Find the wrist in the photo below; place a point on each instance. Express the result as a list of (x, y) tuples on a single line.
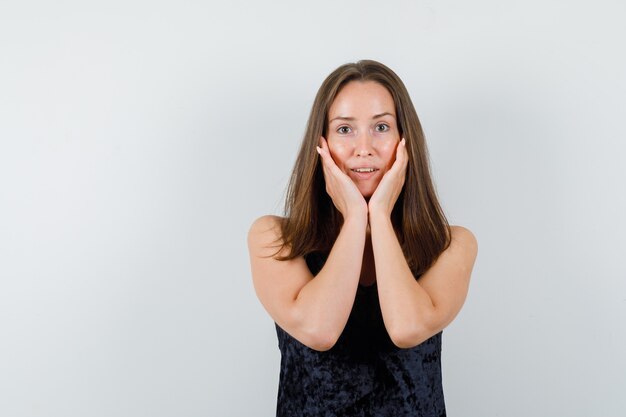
[(357, 218), (379, 219), (378, 215)]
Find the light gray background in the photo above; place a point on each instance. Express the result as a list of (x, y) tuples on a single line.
[(140, 139)]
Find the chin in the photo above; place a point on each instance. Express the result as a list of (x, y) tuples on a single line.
[(367, 194), (367, 190)]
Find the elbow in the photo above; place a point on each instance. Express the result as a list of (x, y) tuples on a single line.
[(409, 337), (323, 346), (313, 334), (408, 341), (322, 341), (317, 338)]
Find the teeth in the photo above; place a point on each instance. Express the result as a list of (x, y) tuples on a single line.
[(364, 170)]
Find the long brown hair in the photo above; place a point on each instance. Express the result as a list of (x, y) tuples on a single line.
[(311, 222)]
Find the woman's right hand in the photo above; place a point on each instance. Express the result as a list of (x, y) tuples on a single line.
[(340, 187)]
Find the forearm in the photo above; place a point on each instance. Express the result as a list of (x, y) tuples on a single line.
[(406, 307), (325, 302)]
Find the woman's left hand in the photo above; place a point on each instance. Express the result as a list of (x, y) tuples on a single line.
[(386, 194)]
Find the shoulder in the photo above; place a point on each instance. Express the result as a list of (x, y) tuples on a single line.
[(463, 240), (264, 223), (264, 231), (463, 233)]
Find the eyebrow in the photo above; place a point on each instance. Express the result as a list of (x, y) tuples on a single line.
[(352, 118)]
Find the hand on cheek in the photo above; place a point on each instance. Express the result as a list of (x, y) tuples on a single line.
[(390, 186), (342, 190)]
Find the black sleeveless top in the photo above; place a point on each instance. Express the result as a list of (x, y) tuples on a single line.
[(364, 374)]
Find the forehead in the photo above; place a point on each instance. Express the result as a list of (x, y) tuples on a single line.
[(362, 98)]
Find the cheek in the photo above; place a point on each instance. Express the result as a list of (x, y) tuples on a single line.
[(338, 147), (390, 154), (339, 154)]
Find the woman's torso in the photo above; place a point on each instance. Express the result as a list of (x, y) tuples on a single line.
[(364, 373)]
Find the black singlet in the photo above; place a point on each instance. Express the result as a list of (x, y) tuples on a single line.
[(364, 374)]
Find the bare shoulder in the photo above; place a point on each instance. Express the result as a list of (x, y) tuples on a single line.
[(264, 223), (447, 280), (463, 233), (264, 231), (464, 240)]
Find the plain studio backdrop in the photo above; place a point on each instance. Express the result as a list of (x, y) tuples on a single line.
[(139, 140)]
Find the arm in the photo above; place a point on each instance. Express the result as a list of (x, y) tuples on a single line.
[(415, 311), (314, 310), (324, 304)]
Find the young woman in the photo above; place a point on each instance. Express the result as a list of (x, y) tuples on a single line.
[(366, 272)]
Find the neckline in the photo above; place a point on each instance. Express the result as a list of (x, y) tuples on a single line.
[(368, 286)]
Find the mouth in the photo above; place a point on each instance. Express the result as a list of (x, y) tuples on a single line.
[(364, 173), (364, 169)]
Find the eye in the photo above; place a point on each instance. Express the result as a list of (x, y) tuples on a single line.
[(385, 125), (343, 131)]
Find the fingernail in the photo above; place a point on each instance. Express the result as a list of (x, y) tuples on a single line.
[(318, 149), (403, 141)]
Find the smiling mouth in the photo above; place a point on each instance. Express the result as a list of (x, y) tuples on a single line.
[(364, 170), (363, 175)]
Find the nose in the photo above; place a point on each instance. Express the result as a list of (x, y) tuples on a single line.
[(364, 144)]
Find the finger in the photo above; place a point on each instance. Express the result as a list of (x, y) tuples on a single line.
[(324, 147), (320, 150), (401, 153), (401, 158), (319, 143), (323, 142), (405, 152), (328, 164), (326, 161), (398, 161), (328, 157)]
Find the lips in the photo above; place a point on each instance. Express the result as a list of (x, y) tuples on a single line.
[(364, 175)]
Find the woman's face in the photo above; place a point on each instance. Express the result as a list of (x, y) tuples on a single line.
[(363, 132)]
